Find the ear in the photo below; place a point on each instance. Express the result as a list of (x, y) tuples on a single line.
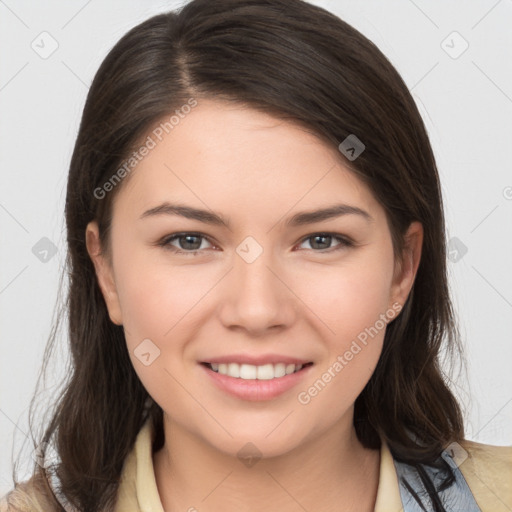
[(104, 272), (405, 271)]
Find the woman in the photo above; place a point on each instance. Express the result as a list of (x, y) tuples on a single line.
[(258, 292)]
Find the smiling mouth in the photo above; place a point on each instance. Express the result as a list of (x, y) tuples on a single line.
[(253, 372)]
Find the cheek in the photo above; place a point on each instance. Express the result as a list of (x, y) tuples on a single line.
[(156, 302), (351, 306), (155, 295), (346, 299), (362, 298), (352, 351)]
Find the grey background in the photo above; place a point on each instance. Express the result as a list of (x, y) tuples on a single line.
[(465, 99)]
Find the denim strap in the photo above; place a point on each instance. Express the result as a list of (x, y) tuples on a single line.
[(415, 497)]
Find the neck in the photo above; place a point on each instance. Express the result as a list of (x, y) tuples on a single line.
[(330, 472)]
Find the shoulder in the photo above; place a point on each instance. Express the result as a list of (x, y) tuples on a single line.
[(487, 470), (28, 496)]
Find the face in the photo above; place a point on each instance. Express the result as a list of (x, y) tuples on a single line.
[(251, 287)]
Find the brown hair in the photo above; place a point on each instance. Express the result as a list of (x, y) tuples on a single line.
[(303, 64)]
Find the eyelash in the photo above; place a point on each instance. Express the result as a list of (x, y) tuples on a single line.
[(165, 242)]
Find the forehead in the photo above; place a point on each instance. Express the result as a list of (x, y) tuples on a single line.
[(231, 156)]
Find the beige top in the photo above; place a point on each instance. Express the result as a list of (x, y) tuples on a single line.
[(487, 470)]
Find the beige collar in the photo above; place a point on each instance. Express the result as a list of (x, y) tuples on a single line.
[(138, 491)]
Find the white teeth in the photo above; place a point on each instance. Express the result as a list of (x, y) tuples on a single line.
[(251, 372), (265, 372), (247, 371), (280, 370), (290, 368), (234, 370)]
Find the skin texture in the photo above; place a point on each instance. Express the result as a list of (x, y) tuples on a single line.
[(297, 298)]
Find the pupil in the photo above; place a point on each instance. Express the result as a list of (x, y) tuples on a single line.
[(188, 238), (325, 237)]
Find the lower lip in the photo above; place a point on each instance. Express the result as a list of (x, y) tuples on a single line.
[(255, 389)]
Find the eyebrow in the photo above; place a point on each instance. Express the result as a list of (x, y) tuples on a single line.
[(299, 219)]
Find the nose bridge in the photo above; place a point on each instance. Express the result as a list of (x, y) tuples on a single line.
[(255, 282), (257, 298)]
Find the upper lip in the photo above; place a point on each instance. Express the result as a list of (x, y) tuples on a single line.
[(256, 360)]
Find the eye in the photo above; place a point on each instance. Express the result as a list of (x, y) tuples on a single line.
[(322, 241), (192, 243), (187, 243)]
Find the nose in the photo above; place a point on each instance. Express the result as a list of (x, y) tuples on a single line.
[(256, 296)]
